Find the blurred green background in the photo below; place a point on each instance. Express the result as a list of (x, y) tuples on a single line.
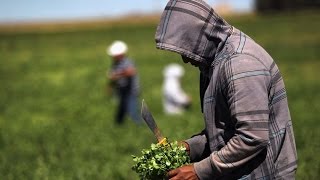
[(56, 121)]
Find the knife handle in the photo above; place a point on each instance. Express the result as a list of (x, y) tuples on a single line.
[(163, 142)]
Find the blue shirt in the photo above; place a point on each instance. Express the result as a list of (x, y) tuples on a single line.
[(130, 83)]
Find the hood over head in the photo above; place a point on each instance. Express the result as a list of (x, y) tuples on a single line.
[(192, 29)]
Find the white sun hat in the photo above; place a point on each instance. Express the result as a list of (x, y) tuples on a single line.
[(173, 70), (117, 48)]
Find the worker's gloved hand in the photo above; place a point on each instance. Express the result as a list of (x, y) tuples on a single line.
[(183, 173)]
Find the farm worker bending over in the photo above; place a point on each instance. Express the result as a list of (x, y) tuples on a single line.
[(175, 100), (248, 130), (124, 81)]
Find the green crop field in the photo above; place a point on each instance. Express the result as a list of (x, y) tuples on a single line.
[(56, 121)]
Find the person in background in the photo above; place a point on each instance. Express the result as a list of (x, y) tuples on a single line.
[(175, 100), (123, 80), (248, 131)]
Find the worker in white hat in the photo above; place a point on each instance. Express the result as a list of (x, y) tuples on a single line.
[(123, 79), (175, 100)]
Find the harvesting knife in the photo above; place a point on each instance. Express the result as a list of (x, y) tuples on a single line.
[(148, 118)]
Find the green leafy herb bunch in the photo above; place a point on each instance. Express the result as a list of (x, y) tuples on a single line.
[(159, 159)]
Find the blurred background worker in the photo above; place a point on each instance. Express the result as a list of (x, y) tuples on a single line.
[(123, 80), (175, 100)]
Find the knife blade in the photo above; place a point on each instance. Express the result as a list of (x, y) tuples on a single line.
[(148, 118)]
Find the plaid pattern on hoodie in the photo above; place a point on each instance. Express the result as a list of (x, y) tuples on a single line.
[(248, 130)]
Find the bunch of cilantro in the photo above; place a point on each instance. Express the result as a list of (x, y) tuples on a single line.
[(160, 159)]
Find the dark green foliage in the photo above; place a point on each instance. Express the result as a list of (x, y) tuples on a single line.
[(285, 5), (160, 159)]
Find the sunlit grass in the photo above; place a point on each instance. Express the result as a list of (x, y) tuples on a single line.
[(57, 122)]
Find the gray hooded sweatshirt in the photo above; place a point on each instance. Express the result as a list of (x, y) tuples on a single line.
[(248, 130)]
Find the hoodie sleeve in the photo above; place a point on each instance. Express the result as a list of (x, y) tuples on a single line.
[(246, 90), (199, 148)]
